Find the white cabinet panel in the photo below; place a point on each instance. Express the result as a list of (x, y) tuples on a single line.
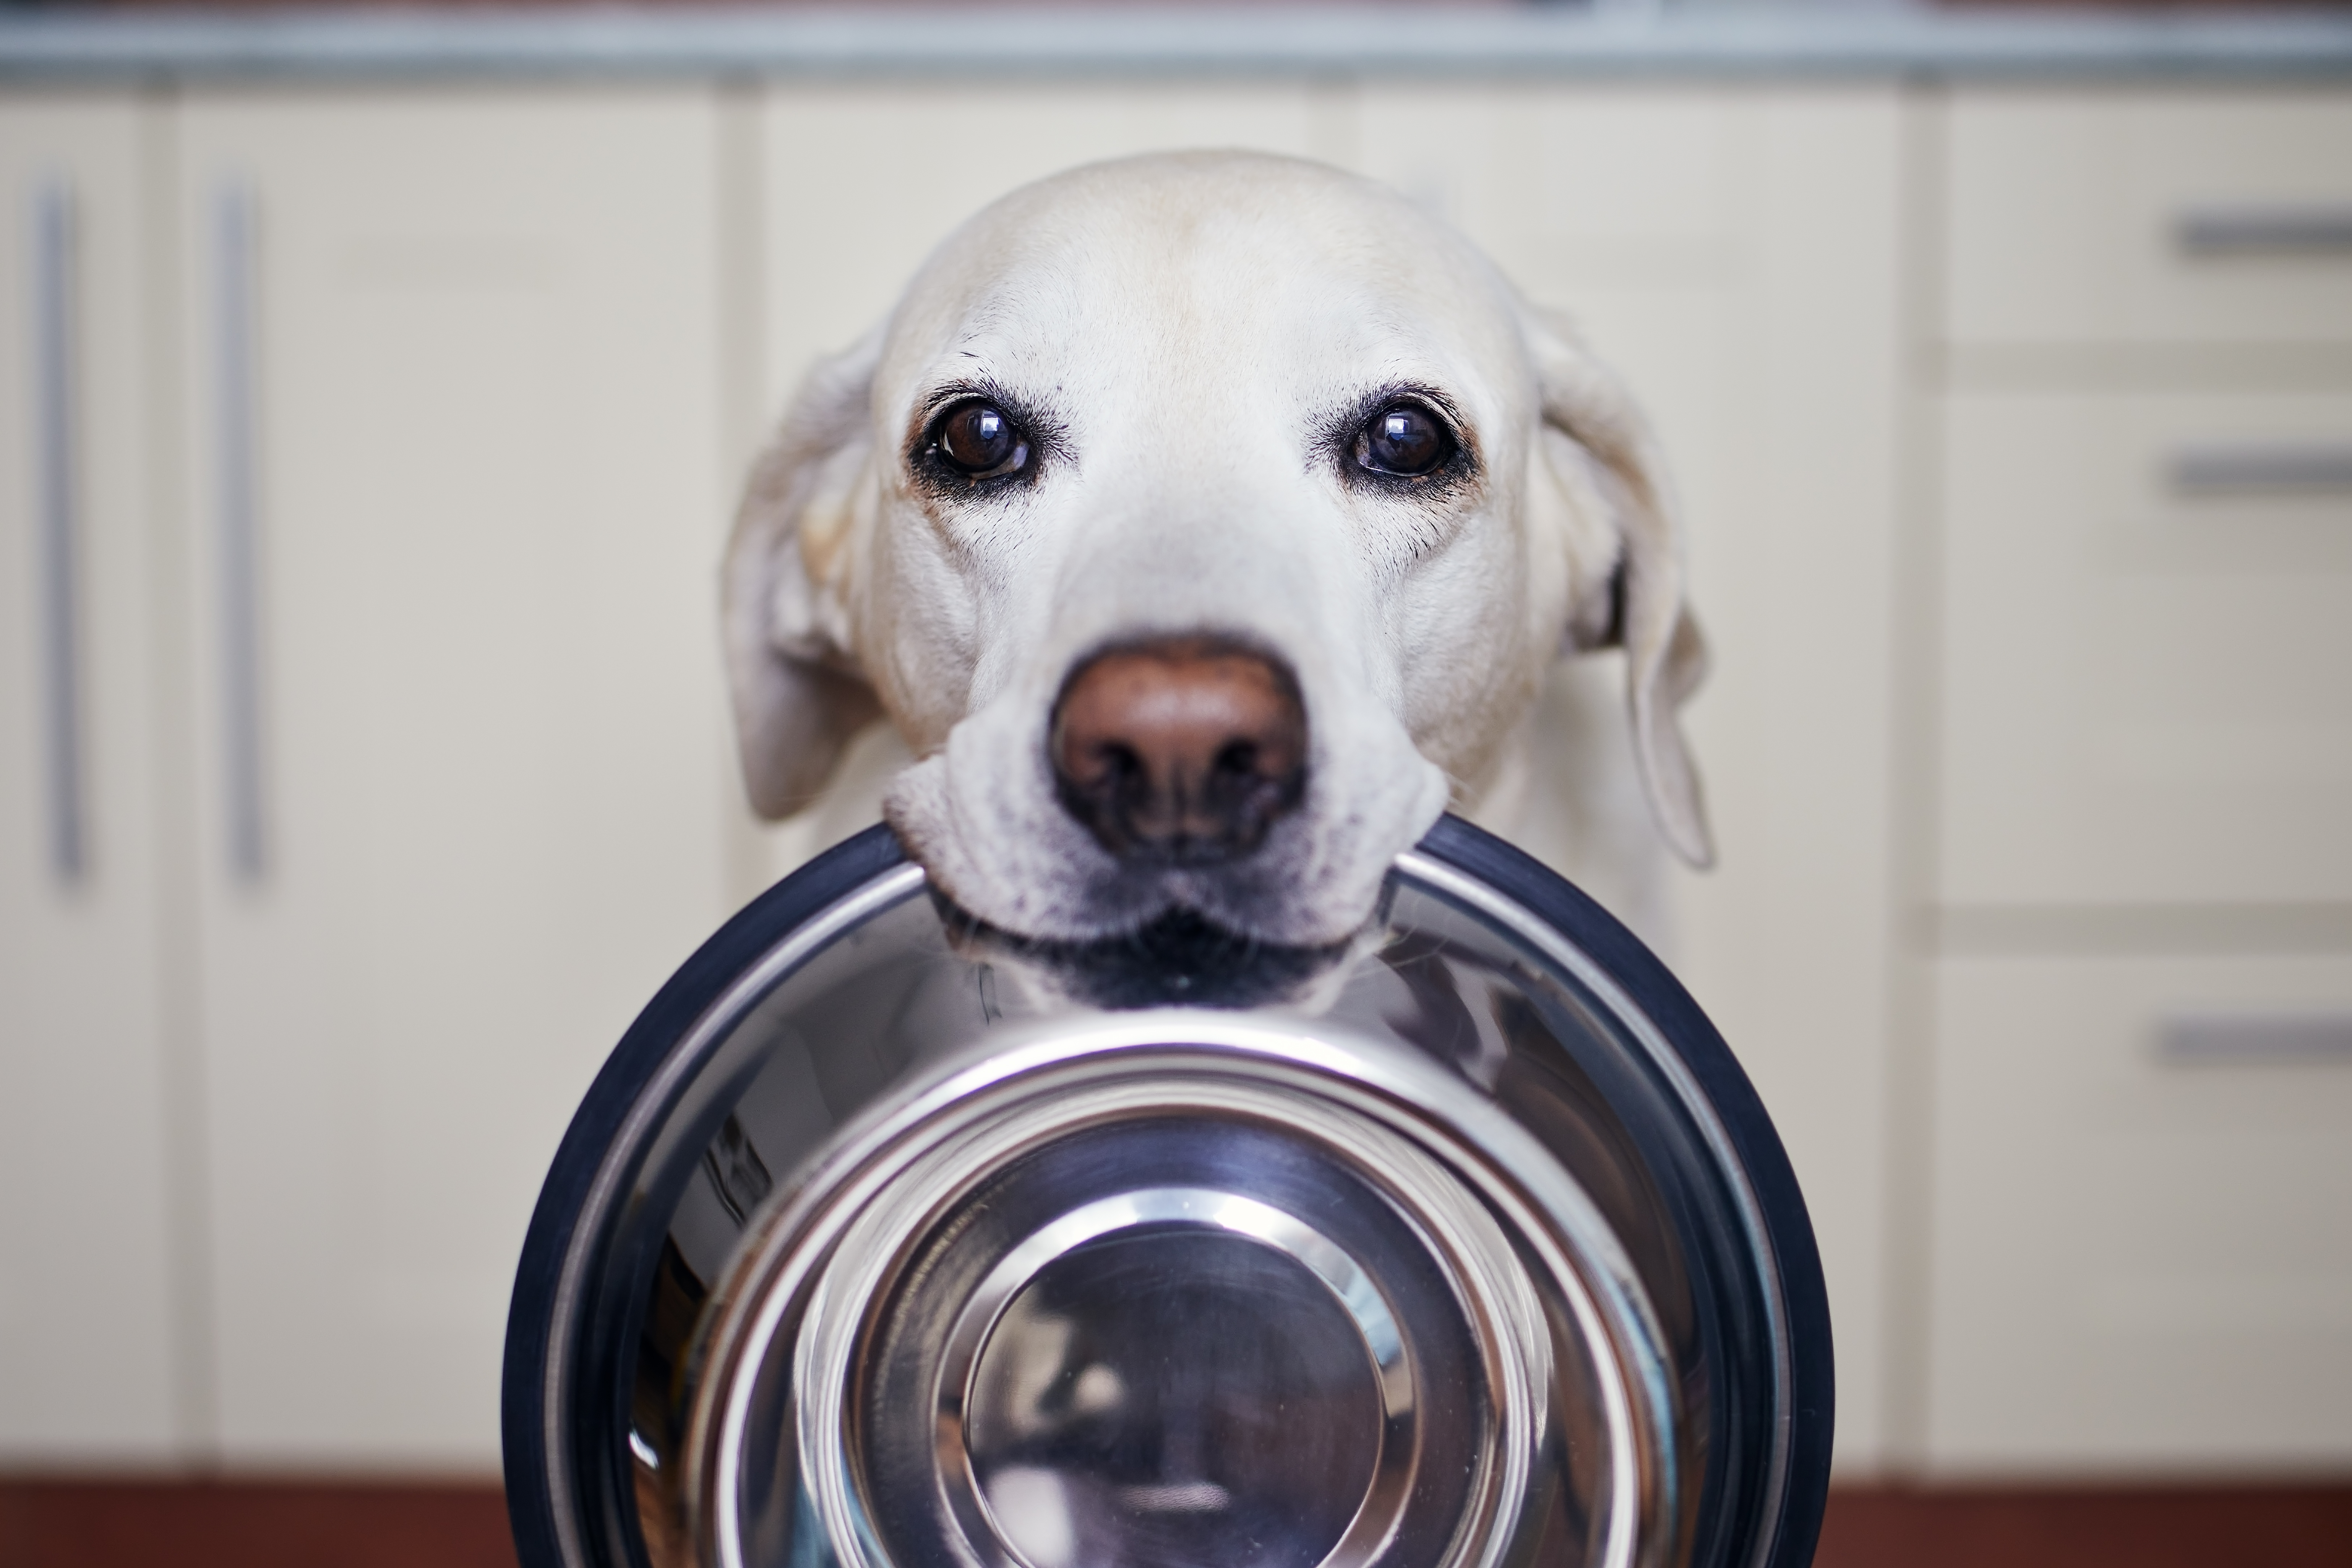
[(2145, 692), (1787, 942), (87, 1287), (2142, 1259), (1593, 185), (2068, 210), (1733, 254), (491, 747)]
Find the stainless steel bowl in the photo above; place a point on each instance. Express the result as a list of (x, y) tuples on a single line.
[(886, 1241)]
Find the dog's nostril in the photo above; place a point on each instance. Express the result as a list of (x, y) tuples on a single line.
[(1119, 764), (1183, 750)]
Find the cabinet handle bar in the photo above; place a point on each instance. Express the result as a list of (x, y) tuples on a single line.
[(2221, 1040), (239, 528), (56, 440), (2256, 230), (2203, 471)]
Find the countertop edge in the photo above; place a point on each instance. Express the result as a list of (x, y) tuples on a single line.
[(1322, 41)]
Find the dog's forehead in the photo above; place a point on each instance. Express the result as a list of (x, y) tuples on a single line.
[(1211, 271)]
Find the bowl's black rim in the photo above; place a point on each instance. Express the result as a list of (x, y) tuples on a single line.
[(1788, 1225), (776, 913), (683, 998)]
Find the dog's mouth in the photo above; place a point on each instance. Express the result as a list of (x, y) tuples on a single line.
[(1182, 958)]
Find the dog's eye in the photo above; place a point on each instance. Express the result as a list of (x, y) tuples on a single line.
[(978, 439), (1404, 439)]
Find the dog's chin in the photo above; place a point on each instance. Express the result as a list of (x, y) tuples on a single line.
[(1016, 863)]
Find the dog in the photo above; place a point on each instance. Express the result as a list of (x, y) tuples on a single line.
[(1205, 524)]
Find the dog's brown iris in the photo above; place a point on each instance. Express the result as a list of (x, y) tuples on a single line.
[(1405, 440), (980, 439)]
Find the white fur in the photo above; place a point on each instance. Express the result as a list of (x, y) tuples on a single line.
[(1191, 326)]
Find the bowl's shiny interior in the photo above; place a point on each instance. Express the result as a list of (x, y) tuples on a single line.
[(914, 1254)]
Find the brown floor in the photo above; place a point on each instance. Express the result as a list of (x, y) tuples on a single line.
[(2187, 1527), (250, 1525)]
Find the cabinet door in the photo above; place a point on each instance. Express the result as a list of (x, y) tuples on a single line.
[(455, 510), (2142, 1260), (2144, 671), (87, 1287)]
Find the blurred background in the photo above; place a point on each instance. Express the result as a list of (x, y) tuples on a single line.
[(374, 388)]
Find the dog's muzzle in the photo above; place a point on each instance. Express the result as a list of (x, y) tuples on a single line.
[(871, 1249)]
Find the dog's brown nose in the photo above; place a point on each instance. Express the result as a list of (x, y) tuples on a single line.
[(1182, 750)]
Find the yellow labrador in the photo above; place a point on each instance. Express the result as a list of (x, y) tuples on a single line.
[(1205, 524)]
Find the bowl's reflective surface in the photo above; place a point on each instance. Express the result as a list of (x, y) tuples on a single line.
[(904, 1250)]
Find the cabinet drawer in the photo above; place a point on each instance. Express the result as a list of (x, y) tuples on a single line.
[(2145, 647), (2141, 1257), (2157, 217)]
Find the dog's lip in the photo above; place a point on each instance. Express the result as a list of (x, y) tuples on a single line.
[(1179, 957)]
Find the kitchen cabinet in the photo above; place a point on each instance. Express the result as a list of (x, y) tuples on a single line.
[(452, 495), (2141, 1258), (2138, 220), (2135, 1259), (94, 1291), (2144, 692)]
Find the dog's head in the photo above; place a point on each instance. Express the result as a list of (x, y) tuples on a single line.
[(1205, 522)]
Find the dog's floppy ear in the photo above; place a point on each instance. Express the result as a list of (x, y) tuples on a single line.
[(800, 698), (1600, 448)]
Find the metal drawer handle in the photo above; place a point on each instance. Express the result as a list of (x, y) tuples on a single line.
[(2217, 1039), (239, 564), (2218, 469), (55, 446), (2264, 230)]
